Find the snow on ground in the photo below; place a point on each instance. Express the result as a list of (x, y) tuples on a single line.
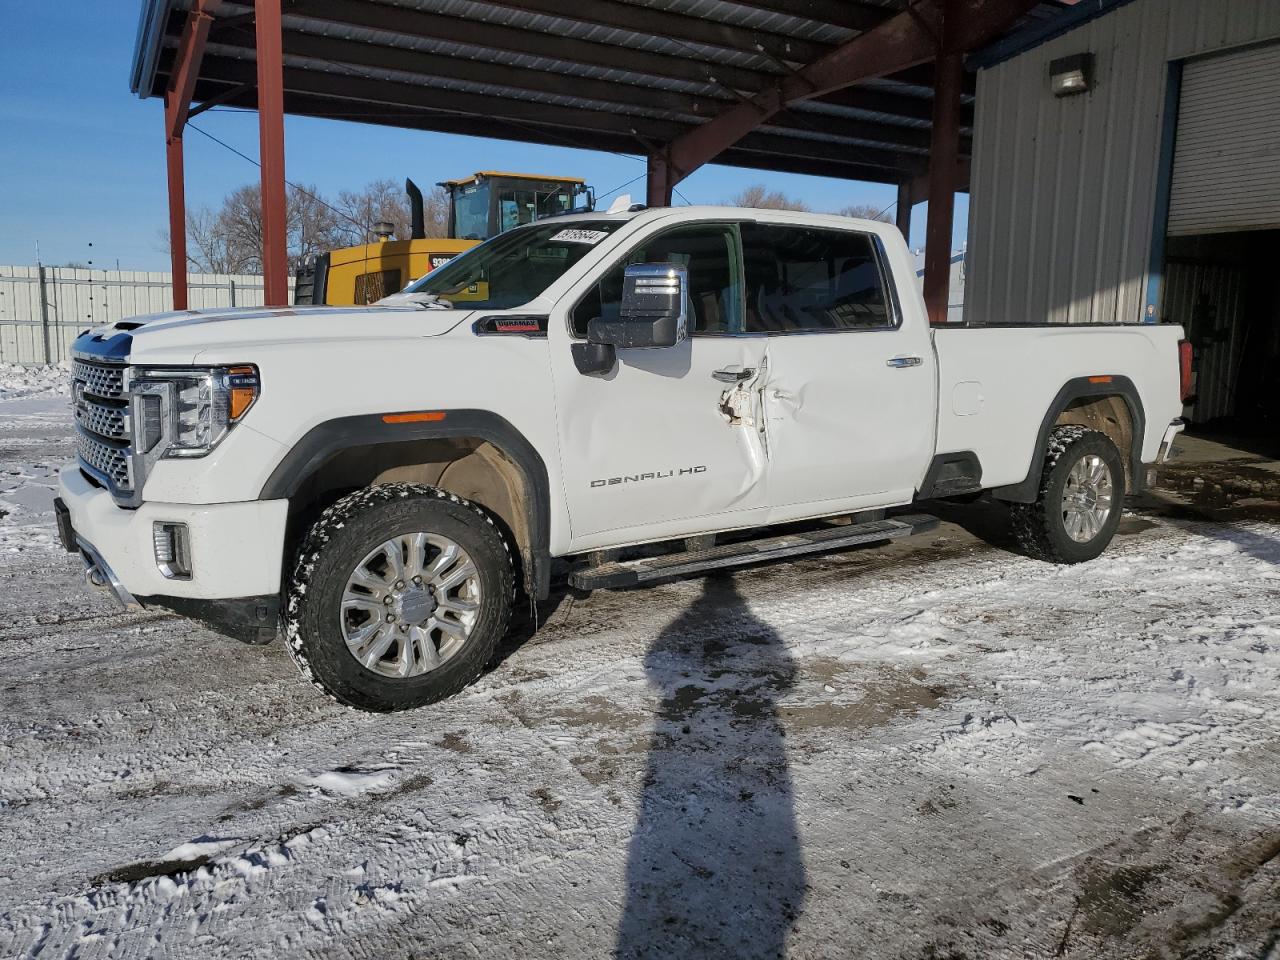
[(17, 381), (947, 751)]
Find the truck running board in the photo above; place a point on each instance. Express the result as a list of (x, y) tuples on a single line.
[(611, 576)]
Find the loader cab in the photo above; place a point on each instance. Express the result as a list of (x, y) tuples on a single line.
[(488, 203)]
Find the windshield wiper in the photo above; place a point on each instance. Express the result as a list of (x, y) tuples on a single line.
[(427, 301)]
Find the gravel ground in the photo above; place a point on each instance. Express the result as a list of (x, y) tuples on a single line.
[(936, 750)]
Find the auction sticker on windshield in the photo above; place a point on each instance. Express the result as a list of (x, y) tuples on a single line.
[(581, 236)]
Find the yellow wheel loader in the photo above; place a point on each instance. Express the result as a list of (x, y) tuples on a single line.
[(480, 206)]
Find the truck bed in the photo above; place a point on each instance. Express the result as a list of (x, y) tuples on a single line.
[(995, 385)]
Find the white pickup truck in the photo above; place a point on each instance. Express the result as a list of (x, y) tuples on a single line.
[(383, 482)]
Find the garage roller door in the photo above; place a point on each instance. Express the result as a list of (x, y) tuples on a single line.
[(1226, 167)]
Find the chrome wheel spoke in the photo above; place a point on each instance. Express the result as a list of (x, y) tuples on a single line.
[(361, 635), (370, 581), (393, 550), (378, 648), (447, 557), (362, 603), (452, 627), (427, 654), (463, 571), (417, 555), (457, 605)]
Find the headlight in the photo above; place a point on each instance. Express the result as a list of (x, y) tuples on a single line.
[(190, 408)]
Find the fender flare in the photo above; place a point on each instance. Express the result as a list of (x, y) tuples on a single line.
[(329, 438), (1081, 388)]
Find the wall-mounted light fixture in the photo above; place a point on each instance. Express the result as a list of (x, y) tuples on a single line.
[(1071, 75)]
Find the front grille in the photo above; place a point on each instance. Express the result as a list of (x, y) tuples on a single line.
[(110, 462), (101, 419), (105, 380), (102, 423)]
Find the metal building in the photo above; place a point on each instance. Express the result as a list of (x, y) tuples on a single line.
[(1126, 168)]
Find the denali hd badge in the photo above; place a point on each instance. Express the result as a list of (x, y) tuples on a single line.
[(658, 475)]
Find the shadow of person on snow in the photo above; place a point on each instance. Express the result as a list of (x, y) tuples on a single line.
[(715, 867)]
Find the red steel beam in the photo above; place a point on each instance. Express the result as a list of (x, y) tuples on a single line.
[(177, 204), (902, 215), (905, 40), (944, 158), (275, 257), (177, 104), (896, 43), (658, 183), (186, 64)]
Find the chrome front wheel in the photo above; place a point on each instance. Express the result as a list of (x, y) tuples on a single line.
[(410, 605)]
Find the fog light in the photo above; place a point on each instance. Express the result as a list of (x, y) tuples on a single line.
[(172, 548)]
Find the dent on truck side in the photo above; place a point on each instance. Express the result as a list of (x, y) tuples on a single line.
[(395, 446)]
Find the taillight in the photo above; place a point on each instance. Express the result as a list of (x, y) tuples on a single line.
[(1184, 371)]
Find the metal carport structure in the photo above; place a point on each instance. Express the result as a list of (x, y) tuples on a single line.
[(871, 90)]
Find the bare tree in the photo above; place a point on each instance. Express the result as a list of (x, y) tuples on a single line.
[(760, 196), (386, 200), (209, 248), (435, 208), (380, 200), (865, 211), (229, 239)]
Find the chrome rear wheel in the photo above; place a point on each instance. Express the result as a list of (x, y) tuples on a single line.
[(1087, 498)]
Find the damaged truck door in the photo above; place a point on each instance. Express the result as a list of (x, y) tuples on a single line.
[(650, 437), (850, 396)]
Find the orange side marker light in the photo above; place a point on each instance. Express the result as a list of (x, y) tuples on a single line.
[(422, 416)]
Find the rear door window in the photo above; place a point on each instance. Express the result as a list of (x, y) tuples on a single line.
[(803, 279)]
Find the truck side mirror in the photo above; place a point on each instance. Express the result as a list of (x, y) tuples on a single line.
[(654, 310)]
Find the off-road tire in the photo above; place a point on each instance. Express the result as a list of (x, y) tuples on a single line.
[(332, 548), (1039, 526)]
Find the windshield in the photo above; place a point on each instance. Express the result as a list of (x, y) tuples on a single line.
[(513, 268)]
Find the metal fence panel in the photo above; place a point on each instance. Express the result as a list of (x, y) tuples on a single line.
[(43, 309)]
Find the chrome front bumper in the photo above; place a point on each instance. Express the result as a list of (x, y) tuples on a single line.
[(97, 572), (99, 575)]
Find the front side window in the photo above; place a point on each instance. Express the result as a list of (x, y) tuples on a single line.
[(804, 279), (707, 251), (514, 268)]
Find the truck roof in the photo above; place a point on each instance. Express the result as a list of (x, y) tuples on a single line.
[(514, 176), (715, 211)]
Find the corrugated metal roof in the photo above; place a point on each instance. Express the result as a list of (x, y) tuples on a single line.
[(514, 64), (751, 17), (522, 61), (565, 27)]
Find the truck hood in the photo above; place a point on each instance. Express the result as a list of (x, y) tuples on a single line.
[(179, 336)]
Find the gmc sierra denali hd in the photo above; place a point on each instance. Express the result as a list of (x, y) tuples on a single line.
[(380, 483)]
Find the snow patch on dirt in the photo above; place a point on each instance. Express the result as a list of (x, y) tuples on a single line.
[(972, 755), (18, 381)]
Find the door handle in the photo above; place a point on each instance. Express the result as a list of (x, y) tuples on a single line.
[(902, 362), (733, 376)]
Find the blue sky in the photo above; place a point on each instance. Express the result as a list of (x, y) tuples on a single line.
[(82, 159)]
